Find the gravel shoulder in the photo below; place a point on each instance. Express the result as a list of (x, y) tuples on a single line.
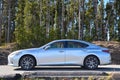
[(7, 70), (56, 71)]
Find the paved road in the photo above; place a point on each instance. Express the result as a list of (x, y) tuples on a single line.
[(7, 70)]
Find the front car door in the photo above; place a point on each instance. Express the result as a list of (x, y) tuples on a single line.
[(54, 55)]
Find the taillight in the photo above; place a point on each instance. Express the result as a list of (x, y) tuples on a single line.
[(106, 51)]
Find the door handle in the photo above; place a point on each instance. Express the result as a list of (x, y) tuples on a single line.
[(61, 51)]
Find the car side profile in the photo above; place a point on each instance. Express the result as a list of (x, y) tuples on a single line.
[(61, 52)]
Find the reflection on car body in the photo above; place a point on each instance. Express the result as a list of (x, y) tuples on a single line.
[(61, 52)]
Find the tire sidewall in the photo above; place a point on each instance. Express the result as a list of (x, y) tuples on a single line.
[(22, 61), (89, 67)]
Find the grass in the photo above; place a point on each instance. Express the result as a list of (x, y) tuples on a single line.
[(71, 78), (66, 78), (108, 77)]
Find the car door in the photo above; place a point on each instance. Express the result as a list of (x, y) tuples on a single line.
[(75, 53), (54, 55)]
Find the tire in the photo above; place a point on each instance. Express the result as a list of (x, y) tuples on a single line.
[(91, 62), (27, 62), (83, 67)]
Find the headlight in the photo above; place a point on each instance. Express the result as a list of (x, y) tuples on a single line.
[(15, 53)]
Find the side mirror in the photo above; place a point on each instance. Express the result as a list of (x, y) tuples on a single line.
[(46, 47)]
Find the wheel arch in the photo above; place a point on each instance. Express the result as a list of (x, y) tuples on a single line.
[(28, 55), (91, 55)]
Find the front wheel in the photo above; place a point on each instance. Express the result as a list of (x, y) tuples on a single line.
[(27, 62), (91, 62)]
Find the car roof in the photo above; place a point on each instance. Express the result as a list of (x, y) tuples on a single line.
[(85, 42), (72, 40), (67, 40)]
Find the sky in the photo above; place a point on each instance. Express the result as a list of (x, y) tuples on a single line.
[(106, 1)]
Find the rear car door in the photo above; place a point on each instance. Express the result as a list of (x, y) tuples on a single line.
[(75, 52)]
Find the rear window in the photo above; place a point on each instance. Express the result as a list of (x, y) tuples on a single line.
[(72, 44)]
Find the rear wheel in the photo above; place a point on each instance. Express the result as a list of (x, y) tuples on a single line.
[(91, 62), (27, 62)]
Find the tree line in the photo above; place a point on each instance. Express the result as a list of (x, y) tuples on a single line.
[(32, 23)]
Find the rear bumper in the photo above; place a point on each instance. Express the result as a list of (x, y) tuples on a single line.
[(105, 60)]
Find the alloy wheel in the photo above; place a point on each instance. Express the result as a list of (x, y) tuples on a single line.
[(27, 62), (91, 62)]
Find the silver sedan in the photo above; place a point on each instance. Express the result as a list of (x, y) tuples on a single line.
[(61, 52)]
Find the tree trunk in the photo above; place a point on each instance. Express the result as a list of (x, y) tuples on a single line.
[(40, 6), (0, 26), (82, 17), (119, 29), (79, 21), (59, 17), (62, 22), (1, 8), (96, 20), (102, 27), (9, 21), (48, 19)]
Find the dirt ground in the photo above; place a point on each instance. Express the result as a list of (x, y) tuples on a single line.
[(113, 46)]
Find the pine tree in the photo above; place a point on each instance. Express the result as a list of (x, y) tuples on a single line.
[(95, 5), (1, 12), (101, 26), (89, 21), (20, 30), (109, 21), (117, 18)]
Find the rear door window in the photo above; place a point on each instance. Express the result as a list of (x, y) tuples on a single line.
[(72, 44)]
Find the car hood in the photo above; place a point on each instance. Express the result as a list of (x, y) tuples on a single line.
[(31, 50)]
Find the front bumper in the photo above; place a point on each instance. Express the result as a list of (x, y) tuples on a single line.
[(13, 60)]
